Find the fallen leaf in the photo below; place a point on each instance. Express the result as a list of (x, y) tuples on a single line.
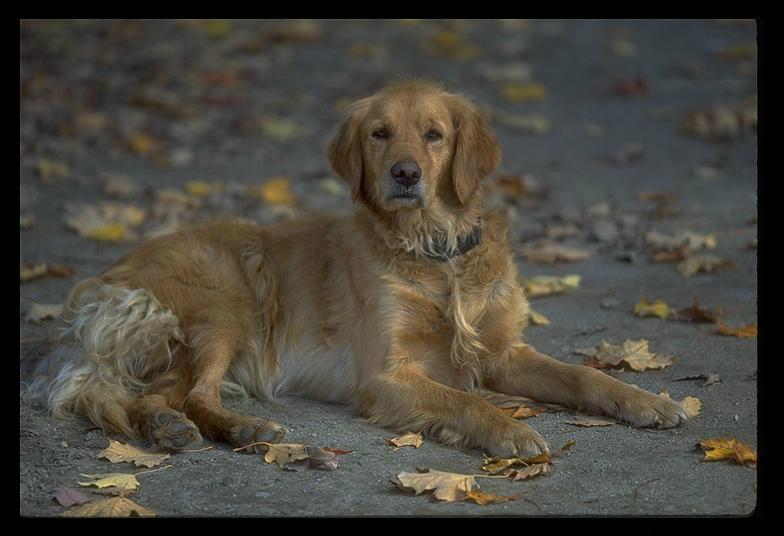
[(69, 497), (511, 72), (517, 186), (296, 32), (410, 439), (216, 28), (675, 255), (655, 308), (662, 201), (696, 314), (587, 421), (522, 92), (722, 122), (691, 241), (51, 170), (118, 452), (738, 52), (333, 186), (627, 154), (43, 311), (284, 453), (203, 188), (690, 404), (524, 412), (748, 331), (105, 480), (112, 507), (447, 487), (544, 285), (496, 466), (31, 271), (706, 172), (144, 145), (534, 123), (727, 449), (26, 222), (106, 221), (623, 47), (275, 191), (482, 498), (322, 459), (631, 354), (538, 319), (279, 129), (547, 252), (537, 469), (710, 379), (635, 86), (452, 44), (702, 263)]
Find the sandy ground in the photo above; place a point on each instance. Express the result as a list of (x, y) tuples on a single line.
[(212, 85)]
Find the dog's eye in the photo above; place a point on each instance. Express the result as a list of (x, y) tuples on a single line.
[(433, 135), (380, 134)]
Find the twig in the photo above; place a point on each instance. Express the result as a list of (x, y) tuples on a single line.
[(153, 470), (252, 445), (198, 450)]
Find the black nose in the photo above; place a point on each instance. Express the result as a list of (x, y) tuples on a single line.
[(406, 173)]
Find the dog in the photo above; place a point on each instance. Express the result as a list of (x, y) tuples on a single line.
[(402, 310)]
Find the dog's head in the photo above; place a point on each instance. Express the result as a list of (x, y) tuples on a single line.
[(411, 146)]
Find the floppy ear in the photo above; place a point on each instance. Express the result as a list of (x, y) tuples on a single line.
[(477, 151), (345, 149)]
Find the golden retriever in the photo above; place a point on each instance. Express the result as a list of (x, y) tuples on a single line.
[(401, 310)]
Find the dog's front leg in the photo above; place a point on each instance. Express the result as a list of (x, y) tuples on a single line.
[(523, 371), (405, 399)]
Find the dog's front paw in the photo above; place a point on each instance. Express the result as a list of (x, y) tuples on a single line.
[(516, 440), (255, 431), (172, 430), (647, 410)]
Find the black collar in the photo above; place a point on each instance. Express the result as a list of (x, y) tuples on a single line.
[(465, 243)]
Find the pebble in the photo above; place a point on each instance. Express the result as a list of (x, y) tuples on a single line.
[(610, 303)]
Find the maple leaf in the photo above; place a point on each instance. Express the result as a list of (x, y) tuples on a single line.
[(447, 487), (43, 311), (112, 507), (655, 308), (551, 252), (69, 497), (727, 449), (497, 465), (408, 440), (123, 481), (118, 452), (745, 332), (544, 285), (633, 354)]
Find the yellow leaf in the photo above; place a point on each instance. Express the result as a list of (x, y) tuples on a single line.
[(203, 188), (656, 308), (44, 311), (275, 191), (728, 449), (217, 28), (548, 252), (279, 129), (283, 453), (107, 222), (586, 421), (447, 487), (524, 412), (51, 170), (113, 507), (538, 319), (30, 272), (521, 92), (633, 354), (482, 498), (702, 263), (496, 466), (745, 332), (106, 480), (452, 44), (544, 285), (142, 144), (118, 452), (408, 440), (112, 232)]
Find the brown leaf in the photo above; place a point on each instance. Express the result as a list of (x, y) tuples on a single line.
[(691, 241), (482, 498), (284, 453), (702, 263), (631, 354), (538, 319), (43, 311), (696, 314), (408, 440), (589, 421), (113, 507), (748, 331), (710, 379), (524, 412), (447, 487), (30, 271), (635, 86), (690, 404), (118, 452), (69, 497), (517, 186), (550, 252), (537, 469), (106, 221), (675, 255), (727, 449), (544, 285), (322, 459)]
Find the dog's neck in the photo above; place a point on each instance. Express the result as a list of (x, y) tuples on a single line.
[(437, 233)]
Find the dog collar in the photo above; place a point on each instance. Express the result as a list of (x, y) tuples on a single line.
[(465, 243)]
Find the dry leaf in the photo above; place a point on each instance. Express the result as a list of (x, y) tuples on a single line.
[(105, 480), (521, 92), (656, 308), (26, 222), (517, 186), (745, 332), (118, 452), (106, 222), (496, 466), (69, 497), (524, 412), (538, 319), (635, 86), (626, 155), (687, 239), (296, 32), (447, 487), (632, 354), (690, 404), (275, 191), (696, 314), (322, 459), (588, 421), (408, 440), (43, 311), (710, 379), (203, 188), (452, 44), (283, 453), (702, 263), (279, 129), (544, 285), (481, 498), (551, 252), (51, 170), (30, 271), (537, 469), (727, 449), (535, 123), (112, 507), (120, 185)]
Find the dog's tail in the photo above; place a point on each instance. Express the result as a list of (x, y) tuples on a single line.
[(118, 341)]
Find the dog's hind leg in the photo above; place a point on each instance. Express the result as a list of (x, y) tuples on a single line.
[(154, 419), (212, 351)]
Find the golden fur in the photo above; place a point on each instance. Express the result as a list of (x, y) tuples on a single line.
[(350, 310)]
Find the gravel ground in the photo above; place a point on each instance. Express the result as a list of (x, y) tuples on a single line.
[(241, 102)]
